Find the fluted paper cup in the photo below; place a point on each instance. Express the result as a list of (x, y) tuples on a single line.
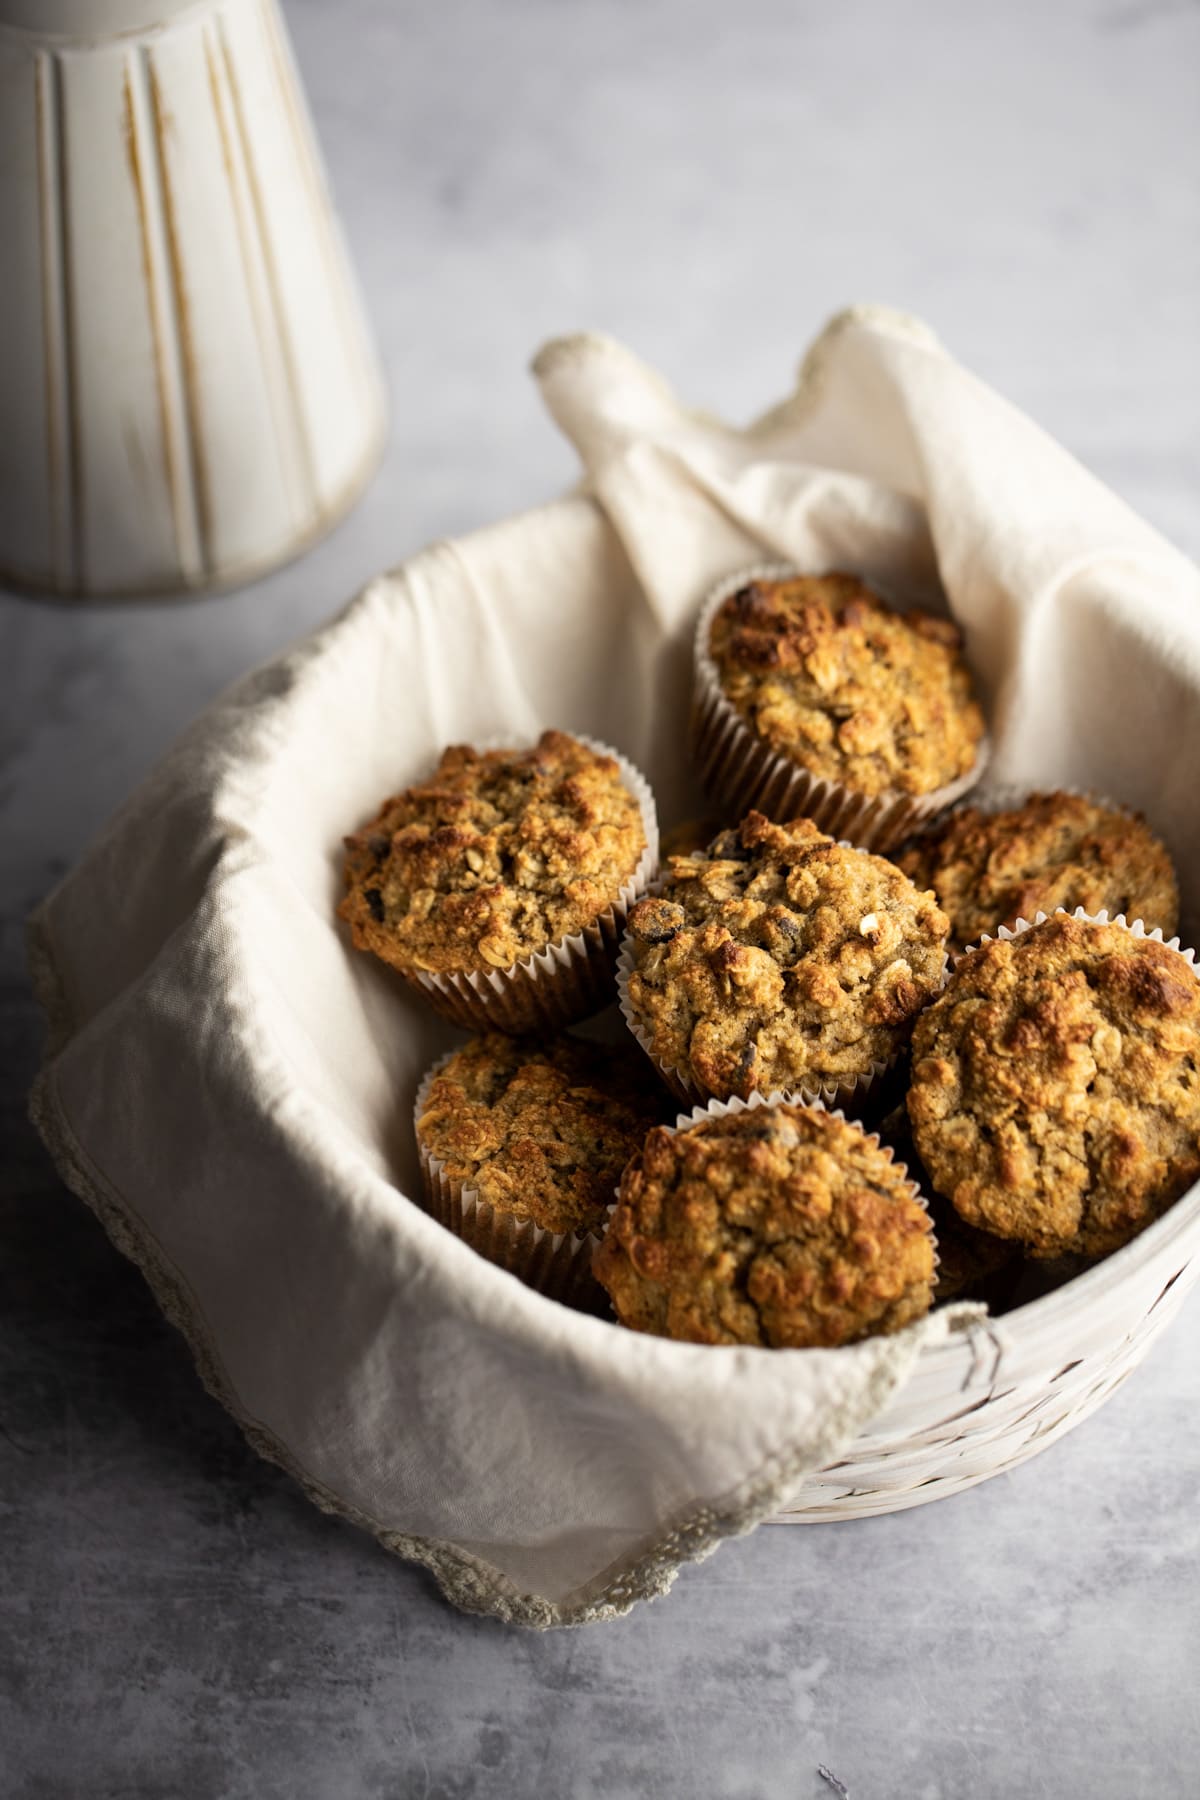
[(1135, 928)]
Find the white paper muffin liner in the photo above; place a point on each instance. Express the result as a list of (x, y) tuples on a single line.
[(558, 1264), (1135, 928), (567, 980), (744, 773), (719, 1109)]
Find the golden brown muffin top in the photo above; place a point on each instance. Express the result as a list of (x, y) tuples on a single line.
[(777, 959), (541, 1131), (497, 855), (826, 673), (992, 868), (780, 1225), (1056, 1085)]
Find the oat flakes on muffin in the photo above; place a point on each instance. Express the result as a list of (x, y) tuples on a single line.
[(539, 1130), (780, 1225), (1055, 1093), (823, 671), (778, 959), (496, 856), (1054, 850)]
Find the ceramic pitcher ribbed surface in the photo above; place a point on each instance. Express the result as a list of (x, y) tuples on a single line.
[(188, 392)]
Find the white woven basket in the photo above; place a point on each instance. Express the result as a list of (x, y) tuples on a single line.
[(280, 1122)]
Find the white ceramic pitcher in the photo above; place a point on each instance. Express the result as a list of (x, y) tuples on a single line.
[(188, 392)]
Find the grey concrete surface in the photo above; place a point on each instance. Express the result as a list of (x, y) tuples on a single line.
[(708, 182)]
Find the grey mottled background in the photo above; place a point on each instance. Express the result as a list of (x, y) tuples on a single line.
[(708, 181)]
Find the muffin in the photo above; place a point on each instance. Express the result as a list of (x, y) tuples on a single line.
[(777, 1224), (522, 1145), (779, 960), (498, 886), (1055, 1093), (815, 696), (1054, 850)]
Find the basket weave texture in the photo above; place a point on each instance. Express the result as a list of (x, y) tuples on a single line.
[(1053, 1364)]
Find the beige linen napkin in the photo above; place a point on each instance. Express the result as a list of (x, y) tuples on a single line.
[(230, 1088)]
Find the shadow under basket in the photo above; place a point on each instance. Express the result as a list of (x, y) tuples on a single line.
[(985, 1401)]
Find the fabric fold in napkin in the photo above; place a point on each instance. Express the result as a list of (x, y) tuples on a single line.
[(230, 1087)]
